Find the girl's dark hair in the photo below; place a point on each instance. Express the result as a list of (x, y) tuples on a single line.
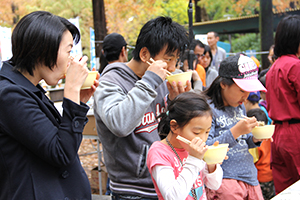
[(36, 39), (214, 92), (183, 108), (207, 49), (158, 33), (287, 37)]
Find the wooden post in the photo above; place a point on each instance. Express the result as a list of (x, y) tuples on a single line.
[(197, 11), (265, 29), (99, 26)]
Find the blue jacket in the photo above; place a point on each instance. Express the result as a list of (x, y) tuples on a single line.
[(38, 146)]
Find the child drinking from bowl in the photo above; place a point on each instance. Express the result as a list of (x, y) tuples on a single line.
[(237, 78), (264, 171), (176, 168)]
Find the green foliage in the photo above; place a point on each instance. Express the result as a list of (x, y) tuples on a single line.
[(177, 10), (220, 9), (69, 9), (245, 42), (217, 9)]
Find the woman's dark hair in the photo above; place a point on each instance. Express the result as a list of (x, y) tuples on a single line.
[(158, 33), (207, 49), (287, 37), (214, 92), (183, 108), (259, 114), (36, 39)]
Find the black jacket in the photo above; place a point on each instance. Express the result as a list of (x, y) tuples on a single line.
[(38, 147)]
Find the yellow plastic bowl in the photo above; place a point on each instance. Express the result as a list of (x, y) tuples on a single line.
[(89, 81), (183, 77), (215, 154), (263, 132)]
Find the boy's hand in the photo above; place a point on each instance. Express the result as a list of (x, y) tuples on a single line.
[(159, 67), (176, 89)]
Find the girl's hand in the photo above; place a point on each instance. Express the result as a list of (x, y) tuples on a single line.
[(197, 148), (244, 126), (260, 140), (86, 94)]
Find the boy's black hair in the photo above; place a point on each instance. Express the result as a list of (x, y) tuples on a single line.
[(259, 114), (36, 39), (158, 33), (214, 91), (183, 108), (287, 37)]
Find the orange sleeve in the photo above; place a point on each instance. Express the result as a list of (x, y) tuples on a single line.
[(202, 74)]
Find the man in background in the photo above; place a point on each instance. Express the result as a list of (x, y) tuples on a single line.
[(198, 48), (114, 50), (218, 53)]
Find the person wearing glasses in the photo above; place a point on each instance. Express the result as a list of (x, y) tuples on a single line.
[(198, 48)]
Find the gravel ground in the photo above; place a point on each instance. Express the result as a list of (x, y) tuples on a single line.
[(88, 156)]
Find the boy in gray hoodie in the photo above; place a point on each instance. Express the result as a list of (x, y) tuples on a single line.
[(129, 98)]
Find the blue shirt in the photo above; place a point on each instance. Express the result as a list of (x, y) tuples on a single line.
[(240, 164)]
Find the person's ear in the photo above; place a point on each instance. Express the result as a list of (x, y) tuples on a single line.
[(144, 54), (124, 54), (223, 86), (123, 51), (173, 126), (298, 53)]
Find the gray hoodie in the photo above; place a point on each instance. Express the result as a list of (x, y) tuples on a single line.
[(125, 109)]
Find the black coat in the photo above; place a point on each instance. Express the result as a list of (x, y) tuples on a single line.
[(38, 147)]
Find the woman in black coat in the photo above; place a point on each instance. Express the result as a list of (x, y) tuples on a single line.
[(38, 146)]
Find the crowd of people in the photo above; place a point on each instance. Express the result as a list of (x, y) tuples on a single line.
[(139, 115)]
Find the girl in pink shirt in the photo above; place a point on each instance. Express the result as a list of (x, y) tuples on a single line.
[(177, 169)]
